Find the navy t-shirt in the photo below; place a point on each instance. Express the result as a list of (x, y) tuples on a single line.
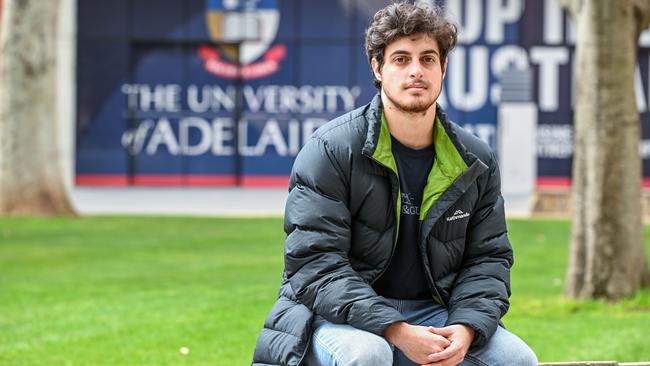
[(404, 278)]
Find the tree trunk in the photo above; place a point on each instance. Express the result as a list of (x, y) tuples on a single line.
[(33, 151), (607, 256)]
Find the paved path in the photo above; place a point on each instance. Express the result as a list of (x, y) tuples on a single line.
[(228, 201), (180, 201)]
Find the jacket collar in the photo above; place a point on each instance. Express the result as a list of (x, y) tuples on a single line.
[(454, 168), (373, 115)]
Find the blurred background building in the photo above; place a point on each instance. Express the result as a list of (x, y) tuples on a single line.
[(161, 101)]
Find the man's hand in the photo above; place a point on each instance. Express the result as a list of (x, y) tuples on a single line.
[(416, 342), (460, 336)]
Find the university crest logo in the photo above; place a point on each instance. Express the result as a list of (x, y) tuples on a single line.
[(244, 29)]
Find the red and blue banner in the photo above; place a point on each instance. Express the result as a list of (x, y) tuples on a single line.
[(159, 83)]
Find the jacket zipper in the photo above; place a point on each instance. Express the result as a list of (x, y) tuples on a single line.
[(432, 283)]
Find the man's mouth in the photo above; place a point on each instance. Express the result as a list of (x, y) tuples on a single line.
[(416, 86)]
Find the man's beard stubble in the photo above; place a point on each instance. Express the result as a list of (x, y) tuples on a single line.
[(421, 105)]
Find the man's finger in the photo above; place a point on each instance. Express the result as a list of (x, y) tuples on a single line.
[(444, 331), (445, 342), (443, 355)]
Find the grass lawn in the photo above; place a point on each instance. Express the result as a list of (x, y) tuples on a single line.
[(133, 291)]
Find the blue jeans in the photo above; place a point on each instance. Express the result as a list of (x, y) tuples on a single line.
[(343, 345)]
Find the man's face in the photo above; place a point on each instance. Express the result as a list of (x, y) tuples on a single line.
[(411, 76)]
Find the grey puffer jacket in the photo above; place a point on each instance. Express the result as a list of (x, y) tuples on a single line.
[(341, 220)]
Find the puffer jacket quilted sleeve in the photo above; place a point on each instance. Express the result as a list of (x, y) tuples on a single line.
[(481, 291), (318, 227)]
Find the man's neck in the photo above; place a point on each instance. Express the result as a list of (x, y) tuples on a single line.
[(414, 130)]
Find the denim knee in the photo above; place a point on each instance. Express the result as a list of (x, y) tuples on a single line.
[(503, 349), (524, 356), (344, 345), (377, 353), (520, 354)]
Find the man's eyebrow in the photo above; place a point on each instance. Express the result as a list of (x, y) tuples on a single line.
[(403, 52), (400, 52), (430, 51)]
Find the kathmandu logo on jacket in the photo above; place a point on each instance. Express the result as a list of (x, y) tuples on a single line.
[(459, 214)]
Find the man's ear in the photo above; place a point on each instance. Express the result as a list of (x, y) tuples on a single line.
[(375, 68)]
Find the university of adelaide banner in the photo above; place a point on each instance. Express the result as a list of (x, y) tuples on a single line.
[(226, 92)]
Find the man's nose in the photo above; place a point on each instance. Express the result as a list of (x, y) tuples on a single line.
[(415, 70)]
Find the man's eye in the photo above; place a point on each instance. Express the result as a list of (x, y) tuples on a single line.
[(400, 60), (429, 59)]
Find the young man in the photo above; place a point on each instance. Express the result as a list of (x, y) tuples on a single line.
[(396, 249)]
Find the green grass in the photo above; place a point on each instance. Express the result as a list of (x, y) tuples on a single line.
[(558, 329), (133, 291)]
